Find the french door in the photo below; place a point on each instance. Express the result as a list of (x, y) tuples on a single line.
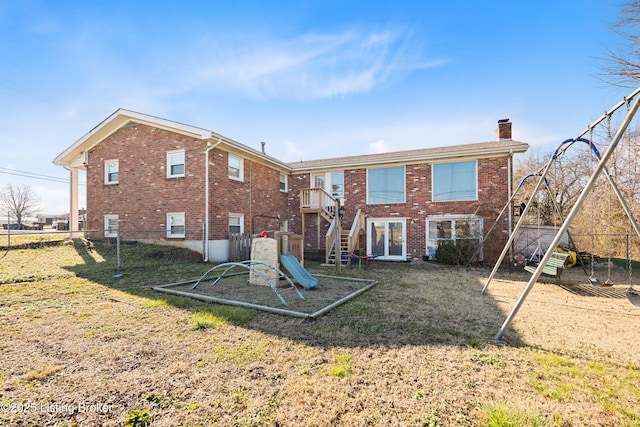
[(387, 238)]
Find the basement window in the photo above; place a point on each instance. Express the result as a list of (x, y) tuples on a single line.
[(236, 223), (176, 225), (111, 226), (462, 230)]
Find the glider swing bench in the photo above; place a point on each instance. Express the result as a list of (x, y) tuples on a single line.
[(554, 266)]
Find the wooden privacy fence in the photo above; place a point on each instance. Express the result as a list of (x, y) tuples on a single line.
[(240, 246), (288, 242)]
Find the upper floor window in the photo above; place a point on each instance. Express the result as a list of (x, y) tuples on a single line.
[(110, 225), (284, 182), (235, 167), (386, 185), (175, 164), (337, 184), (455, 181), (175, 225), (111, 168)]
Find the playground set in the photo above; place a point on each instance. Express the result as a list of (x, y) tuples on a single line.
[(554, 260), (276, 264)]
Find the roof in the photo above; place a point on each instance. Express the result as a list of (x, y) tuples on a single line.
[(448, 153), (74, 154)]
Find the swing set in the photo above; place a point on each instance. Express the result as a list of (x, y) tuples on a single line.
[(632, 294)]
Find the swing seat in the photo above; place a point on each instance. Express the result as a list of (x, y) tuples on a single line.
[(634, 297), (554, 266)]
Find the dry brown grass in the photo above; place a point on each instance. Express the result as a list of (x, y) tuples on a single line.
[(79, 347)]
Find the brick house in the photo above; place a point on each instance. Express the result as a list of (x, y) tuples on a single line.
[(177, 184)]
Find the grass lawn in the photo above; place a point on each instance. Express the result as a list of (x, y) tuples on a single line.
[(81, 347)]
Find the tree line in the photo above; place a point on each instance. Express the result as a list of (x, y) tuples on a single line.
[(602, 213)]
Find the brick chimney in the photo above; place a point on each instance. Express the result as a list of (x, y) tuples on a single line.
[(503, 132)]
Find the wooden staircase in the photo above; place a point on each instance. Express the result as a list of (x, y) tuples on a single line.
[(343, 248), (349, 239), (316, 200)]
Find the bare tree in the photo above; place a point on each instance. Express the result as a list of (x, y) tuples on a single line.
[(19, 201), (624, 62), (565, 178)]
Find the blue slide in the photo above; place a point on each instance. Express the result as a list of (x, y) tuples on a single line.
[(298, 272)]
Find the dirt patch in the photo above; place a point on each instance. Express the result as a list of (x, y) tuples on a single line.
[(283, 296), (417, 349)]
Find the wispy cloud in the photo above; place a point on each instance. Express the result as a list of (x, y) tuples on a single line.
[(313, 66), (380, 146)]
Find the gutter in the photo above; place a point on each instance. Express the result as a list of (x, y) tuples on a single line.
[(210, 147), (438, 155)]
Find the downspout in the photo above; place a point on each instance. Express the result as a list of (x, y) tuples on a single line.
[(251, 194), (210, 147)]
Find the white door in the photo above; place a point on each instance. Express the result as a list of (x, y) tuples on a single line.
[(317, 181), (331, 182), (386, 238)]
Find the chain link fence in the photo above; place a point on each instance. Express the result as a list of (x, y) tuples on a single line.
[(31, 255), (124, 250)]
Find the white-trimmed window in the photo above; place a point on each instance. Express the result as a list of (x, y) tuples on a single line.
[(111, 169), (110, 225), (236, 223), (175, 225), (284, 182), (459, 229), (337, 185), (386, 185), (454, 182), (236, 166), (175, 164)]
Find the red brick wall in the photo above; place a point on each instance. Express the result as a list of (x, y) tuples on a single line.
[(258, 197), (492, 196), (144, 195)]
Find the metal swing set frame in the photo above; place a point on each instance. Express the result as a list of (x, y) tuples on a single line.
[(632, 294)]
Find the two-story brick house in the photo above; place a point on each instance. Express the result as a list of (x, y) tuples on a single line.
[(177, 184)]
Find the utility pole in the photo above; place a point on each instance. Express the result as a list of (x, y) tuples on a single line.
[(338, 233)]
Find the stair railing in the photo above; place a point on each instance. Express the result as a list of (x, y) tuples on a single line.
[(358, 226), (331, 241)]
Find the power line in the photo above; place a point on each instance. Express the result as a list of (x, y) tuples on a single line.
[(34, 175)]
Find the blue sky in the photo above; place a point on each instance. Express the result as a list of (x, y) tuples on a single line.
[(312, 79)]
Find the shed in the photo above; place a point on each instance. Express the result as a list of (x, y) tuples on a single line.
[(533, 239)]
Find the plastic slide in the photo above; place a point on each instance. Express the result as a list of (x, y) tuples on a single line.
[(298, 272)]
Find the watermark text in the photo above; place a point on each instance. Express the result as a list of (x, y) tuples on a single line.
[(55, 407)]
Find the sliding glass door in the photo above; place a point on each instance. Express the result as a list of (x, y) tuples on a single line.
[(387, 238)]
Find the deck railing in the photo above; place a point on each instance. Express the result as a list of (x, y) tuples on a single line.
[(317, 200)]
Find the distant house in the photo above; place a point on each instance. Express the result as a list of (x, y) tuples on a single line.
[(51, 219), (194, 185), (54, 220)]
